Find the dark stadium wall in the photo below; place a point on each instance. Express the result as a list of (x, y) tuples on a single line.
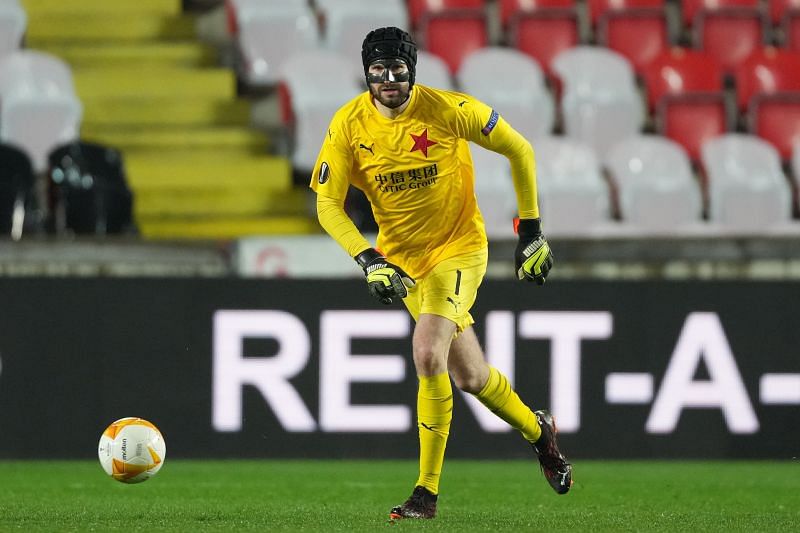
[(279, 368)]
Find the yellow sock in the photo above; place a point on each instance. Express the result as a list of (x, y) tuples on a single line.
[(434, 413), (501, 399)]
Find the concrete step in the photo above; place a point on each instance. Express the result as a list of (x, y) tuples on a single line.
[(214, 139), (227, 228), (171, 174), (166, 112), (152, 203), (114, 26), (151, 82), (163, 7), (135, 54)]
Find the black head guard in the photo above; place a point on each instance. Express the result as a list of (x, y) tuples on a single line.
[(390, 43)]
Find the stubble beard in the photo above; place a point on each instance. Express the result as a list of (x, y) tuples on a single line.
[(391, 101)]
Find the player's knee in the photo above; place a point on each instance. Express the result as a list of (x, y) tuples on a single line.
[(470, 382), (428, 360)]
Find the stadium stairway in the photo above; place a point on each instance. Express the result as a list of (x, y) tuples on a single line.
[(152, 90)]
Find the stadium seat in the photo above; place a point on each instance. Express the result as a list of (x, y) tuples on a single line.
[(418, 10), (270, 32), (686, 93), (747, 189), (39, 106), (452, 35), (494, 190), (525, 102), (347, 22), (768, 89), (600, 103), (776, 118), (780, 8), (573, 196), (790, 28), (678, 71), (692, 119), (692, 8), (767, 71), (541, 29), (715, 26), (433, 71), (88, 192), (600, 8), (638, 33), (13, 21), (656, 186), (309, 108), (16, 190)]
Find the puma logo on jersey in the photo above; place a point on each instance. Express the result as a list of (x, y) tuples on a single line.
[(455, 303), (461, 103), (367, 148)]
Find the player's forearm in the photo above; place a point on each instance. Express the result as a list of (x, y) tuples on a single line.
[(523, 173), (338, 225)]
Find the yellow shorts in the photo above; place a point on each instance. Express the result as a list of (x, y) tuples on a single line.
[(450, 289)]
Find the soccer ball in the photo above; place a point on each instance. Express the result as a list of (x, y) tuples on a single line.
[(132, 450)]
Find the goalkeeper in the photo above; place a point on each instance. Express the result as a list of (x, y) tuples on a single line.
[(406, 147)]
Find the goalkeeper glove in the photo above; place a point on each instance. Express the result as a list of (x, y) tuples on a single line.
[(386, 281), (532, 258)]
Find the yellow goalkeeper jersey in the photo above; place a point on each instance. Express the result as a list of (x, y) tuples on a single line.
[(416, 170)]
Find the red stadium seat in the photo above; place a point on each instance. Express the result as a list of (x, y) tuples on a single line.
[(768, 88), (544, 33), (691, 8), (452, 35), (730, 34), (418, 10), (598, 8), (511, 9), (779, 8), (691, 119), (767, 71), (679, 71), (640, 34), (791, 29), (685, 89), (776, 118)]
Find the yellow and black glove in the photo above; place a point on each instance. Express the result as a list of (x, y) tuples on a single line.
[(385, 280), (532, 258)]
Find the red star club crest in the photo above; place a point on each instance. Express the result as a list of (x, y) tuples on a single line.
[(421, 142)]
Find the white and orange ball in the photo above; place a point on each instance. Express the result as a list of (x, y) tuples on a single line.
[(132, 450)]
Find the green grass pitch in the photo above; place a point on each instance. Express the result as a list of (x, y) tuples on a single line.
[(356, 496)]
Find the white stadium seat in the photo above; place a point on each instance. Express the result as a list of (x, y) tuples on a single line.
[(433, 71), (494, 190), (319, 82), (573, 196), (269, 32), (600, 102), (513, 84), (656, 186), (347, 22), (40, 109), (13, 22), (748, 191)]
